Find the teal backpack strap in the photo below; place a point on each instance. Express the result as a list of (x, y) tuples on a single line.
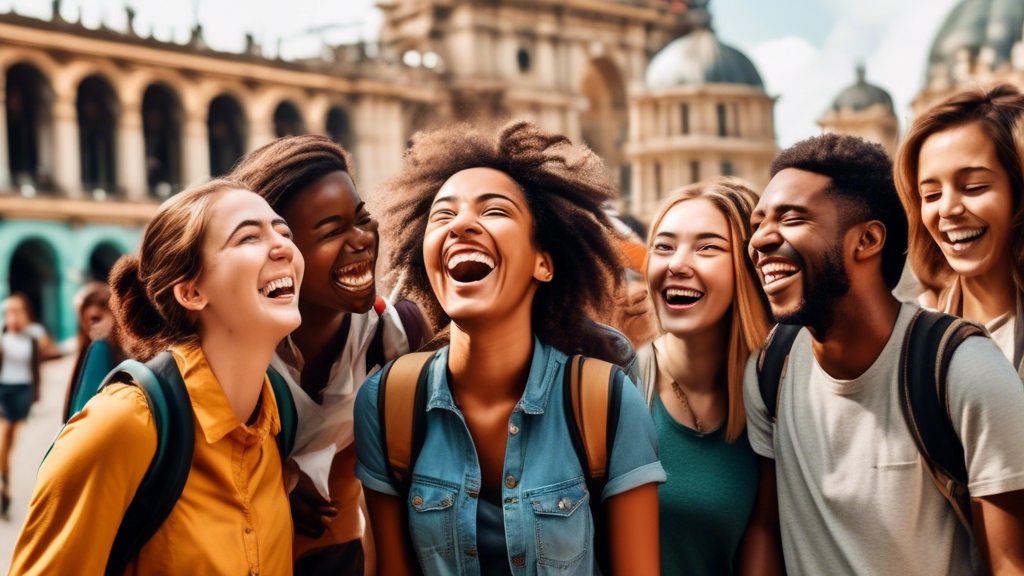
[(99, 361), (286, 413), (165, 479)]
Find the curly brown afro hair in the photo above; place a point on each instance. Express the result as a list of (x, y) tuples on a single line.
[(564, 185)]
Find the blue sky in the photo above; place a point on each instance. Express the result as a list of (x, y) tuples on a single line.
[(806, 50)]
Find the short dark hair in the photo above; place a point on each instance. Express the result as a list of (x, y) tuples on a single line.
[(862, 180)]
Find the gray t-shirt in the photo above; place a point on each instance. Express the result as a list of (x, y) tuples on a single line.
[(854, 496)]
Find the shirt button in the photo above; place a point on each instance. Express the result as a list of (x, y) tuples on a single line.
[(510, 482), (417, 501), (564, 504), (248, 530), (513, 429)]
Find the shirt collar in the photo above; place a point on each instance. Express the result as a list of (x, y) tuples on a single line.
[(210, 404), (546, 366)]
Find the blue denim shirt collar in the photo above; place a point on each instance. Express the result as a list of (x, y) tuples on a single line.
[(538, 385)]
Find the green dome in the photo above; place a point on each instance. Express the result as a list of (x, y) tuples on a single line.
[(699, 58), (975, 25), (862, 95)]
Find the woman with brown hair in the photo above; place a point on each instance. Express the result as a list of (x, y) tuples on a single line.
[(348, 332), (960, 177), (710, 306), (503, 239), (215, 283), (19, 381)]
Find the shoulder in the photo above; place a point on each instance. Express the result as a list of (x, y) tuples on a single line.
[(979, 368)]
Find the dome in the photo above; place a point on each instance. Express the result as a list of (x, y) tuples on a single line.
[(990, 26), (862, 95), (699, 58)]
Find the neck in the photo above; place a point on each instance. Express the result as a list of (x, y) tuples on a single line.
[(989, 295), (491, 363), (695, 360), (240, 366), (319, 326), (862, 323)]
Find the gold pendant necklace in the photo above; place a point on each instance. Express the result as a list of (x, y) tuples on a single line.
[(686, 406)]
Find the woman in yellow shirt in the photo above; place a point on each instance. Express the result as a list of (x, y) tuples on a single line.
[(216, 282)]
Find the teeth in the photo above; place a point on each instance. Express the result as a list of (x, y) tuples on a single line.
[(285, 282), (687, 292), (470, 257), (774, 267), (360, 280), (964, 234)]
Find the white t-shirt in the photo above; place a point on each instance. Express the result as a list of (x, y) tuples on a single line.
[(326, 429), (16, 353), (854, 495)]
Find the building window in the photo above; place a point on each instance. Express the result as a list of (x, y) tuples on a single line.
[(694, 171), (735, 119), (657, 179), (684, 110), (727, 169), (523, 59), (722, 126)]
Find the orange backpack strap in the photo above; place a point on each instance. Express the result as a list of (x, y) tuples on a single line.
[(398, 397), (590, 383)]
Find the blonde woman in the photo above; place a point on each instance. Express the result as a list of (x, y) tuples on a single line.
[(711, 309), (960, 178)]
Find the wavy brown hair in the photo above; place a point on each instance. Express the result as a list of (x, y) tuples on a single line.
[(564, 186), (148, 318), (748, 318), (999, 111)]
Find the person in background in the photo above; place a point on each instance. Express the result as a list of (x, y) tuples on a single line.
[(960, 176), (710, 306), (95, 322), (347, 332), (19, 382)]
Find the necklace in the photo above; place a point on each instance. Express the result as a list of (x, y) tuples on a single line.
[(686, 406)]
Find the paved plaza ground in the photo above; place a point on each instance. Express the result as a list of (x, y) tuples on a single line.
[(33, 440)]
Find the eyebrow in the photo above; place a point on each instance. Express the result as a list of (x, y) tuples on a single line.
[(336, 218), (247, 223), (482, 198), (701, 236)]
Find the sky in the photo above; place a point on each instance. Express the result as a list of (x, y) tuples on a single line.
[(805, 50)]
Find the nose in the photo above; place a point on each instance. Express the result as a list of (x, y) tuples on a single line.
[(359, 241), (765, 239), (282, 248), (681, 263), (950, 204), (464, 223)]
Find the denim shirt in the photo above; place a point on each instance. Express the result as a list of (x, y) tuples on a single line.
[(546, 506)]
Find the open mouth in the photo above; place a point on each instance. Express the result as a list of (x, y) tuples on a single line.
[(279, 288), (963, 239), (682, 297), (469, 266), (354, 277), (777, 271)]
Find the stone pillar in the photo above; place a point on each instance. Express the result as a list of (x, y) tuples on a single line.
[(261, 131), (67, 162), (131, 152), (5, 158), (195, 144)]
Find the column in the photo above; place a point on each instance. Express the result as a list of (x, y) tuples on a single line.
[(131, 152), (67, 161), (195, 144), (5, 167), (261, 131)]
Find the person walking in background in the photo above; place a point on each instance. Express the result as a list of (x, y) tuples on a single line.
[(826, 398), (710, 306), (19, 382), (960, 176), (95, 324), (347, 332), (216, 284)]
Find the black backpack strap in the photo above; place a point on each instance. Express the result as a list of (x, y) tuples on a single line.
[(165, 479), (771, 364), (402, 413), (286, 412), (924, 399)]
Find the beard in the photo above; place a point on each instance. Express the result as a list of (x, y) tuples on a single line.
[(820, 295)]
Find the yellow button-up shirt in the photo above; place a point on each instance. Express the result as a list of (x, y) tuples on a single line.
[(232, 518)]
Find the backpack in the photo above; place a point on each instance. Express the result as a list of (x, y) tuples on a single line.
[(924, 361), (592, 395), (164, 481)]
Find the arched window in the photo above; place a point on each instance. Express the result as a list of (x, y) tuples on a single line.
[(162, 118), (287, 120), (102, 260), (33, 272), (97, 108), (227, 131), (29, 103), (339, 128)]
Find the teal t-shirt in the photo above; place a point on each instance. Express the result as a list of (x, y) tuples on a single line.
[(706, 503)]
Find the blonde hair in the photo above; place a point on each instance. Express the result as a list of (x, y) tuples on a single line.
[(999, 111), (748, 324)]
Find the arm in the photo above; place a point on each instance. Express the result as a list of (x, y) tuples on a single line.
[(632, 520), (85, 485), (761, 546), (999, 527), (394, 552)]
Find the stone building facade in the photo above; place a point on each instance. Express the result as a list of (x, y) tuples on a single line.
[(864, 110)]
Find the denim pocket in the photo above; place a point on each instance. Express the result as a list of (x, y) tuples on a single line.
[(562, 523), (432, 517)]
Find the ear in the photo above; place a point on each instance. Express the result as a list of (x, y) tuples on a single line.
[(870, 240), (543, 269), (187, 294)]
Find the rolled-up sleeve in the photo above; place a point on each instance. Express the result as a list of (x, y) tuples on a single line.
[(371, 469), (85, 484), (634, 459)]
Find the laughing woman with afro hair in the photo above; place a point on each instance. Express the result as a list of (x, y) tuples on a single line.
[(502, 238)]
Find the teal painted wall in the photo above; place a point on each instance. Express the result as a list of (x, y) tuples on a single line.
[(72, 246)]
